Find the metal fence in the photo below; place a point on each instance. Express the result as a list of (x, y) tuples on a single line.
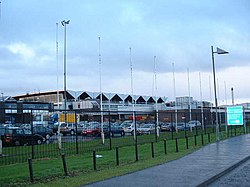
[(74, 132)]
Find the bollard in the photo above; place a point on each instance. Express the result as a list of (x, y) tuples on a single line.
[(195, 141), (117, 156), (152, 149), (165, 146), (31, 170), (209, 137), (64, 164), (94, 160), (186, 142), (176, 145), (202, 139)]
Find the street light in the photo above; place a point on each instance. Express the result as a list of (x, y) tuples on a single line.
[(64, 23), (220, 52)]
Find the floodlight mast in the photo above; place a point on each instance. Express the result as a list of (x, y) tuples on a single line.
[(220, 52), (64, 23)]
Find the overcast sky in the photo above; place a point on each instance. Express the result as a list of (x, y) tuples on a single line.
[(180, 32)]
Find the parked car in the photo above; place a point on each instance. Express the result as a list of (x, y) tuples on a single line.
[(53, 127), (193, 124), (166, 127), (16, 136), (43, 131), (182, 126), (146, 129), (128, 127), (93, 130), (114, 129), (70, 128)]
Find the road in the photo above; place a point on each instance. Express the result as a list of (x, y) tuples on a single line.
[(240, 176)]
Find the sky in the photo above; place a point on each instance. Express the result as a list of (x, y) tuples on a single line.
[(179, 33)]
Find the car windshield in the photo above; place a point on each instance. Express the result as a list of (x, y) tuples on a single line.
[(63, 125), (147, 126), (127, 125)]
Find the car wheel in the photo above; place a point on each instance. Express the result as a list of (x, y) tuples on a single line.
[(47, 136), (17, 143), (132, 132), (47, 141), (39, 142)]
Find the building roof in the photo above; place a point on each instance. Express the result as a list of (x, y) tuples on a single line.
[(94, 95)]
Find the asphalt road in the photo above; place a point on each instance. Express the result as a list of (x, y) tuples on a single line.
[(239, 177)]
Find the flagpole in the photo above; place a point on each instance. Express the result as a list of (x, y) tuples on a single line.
[(57, 71), (189, 99), (132, 90), (202, 120), (156, 103), (100, 74), (176, 115)]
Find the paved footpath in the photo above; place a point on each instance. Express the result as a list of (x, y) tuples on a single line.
[(196, 169)]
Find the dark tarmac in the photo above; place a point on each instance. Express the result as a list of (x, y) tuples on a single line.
[(199, 168)]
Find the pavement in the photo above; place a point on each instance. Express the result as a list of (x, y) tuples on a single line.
[(200, 168)]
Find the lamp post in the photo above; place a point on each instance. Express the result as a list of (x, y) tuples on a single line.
[(64, 24), (220, 52)]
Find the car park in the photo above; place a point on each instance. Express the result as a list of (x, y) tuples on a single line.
[(15, 136)]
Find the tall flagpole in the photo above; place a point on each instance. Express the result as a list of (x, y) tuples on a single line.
[(156, 103), (57, 68), (132, 91), (202, 120), (100, 76), (189, 99), (176, 115)]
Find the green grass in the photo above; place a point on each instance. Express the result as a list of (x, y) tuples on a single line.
[(48, 171)]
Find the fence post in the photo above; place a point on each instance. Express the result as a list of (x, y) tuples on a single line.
[(186, 142), (1, 147), (110, 139), (176, 145), (32, 132), (165, 146), (235, 131), (64, 164), (202, 139), (117, 156), (136, 152), (172, 127), (94, 160), (77, 149), (195, 141), (31, 170), (208, 137), (152, 149)]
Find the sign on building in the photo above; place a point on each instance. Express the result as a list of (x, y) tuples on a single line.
[(235, 115)]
